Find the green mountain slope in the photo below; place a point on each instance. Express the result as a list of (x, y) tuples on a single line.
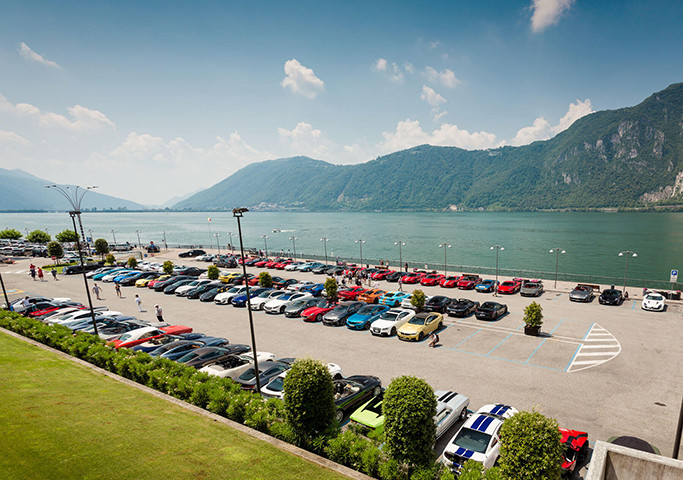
[(619, 158)]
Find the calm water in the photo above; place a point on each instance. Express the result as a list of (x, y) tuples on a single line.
[(592, 240)]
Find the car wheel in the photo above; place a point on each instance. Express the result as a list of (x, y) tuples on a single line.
[(319, 318), (393, 331), (339, 416), (440, 326), (376, 391), (282, 310), (366, 326), (463, 414), (420, 336)]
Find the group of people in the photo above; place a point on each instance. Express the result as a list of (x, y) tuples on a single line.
[(38, 272), (96, 289)]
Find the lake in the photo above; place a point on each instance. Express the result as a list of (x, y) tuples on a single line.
[(592, 240)]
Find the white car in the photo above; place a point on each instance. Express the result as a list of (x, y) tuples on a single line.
[(295, 287), (405, 303), (390, 321), (479, 437), (654, 302), (450, 407), (80, 315), (112, 276), (278, 305), (259, 301), (275, 387), (182, 291), (235, 365), (226, 297), (293, 266)]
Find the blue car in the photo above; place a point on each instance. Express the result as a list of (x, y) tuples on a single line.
[(314, 290), (125, 275), (363, 318), (487, 285), (108, 272), (393, 299), (241, 300)]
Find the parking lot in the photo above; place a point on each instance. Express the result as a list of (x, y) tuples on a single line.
[(606, 370)]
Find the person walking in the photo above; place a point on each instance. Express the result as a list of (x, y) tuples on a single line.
[(40, 274), (96, 290), (117, 287), (54, 274), (406, 266), (32, 271), (400, 284), (159, 313), (138, 302)]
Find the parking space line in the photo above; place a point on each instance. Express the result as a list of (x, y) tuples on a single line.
[(556, 297), (634, 305), (501, 342), (453, 348), (551, 332), (584, 359), (573, 357), (536, 350), (589, 331)]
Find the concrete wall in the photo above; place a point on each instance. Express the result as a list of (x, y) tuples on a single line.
[(614, 462)]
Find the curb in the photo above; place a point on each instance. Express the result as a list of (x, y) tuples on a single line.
[(279, 444)]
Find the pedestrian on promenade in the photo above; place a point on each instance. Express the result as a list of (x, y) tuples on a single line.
[(117, 287), (159, 313), (406, 266), (400, 284), (138, 302), (40, 274), (32, 271), (96, 290), (54, 274)]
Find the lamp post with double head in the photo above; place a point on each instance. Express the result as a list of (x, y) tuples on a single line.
[(265, 242), (498, 248), (232, 247), (74, 197), (445, 246), (557, 252), (164, 234), (360, 244), (324, 240), (113, 233), (139, 242), (239, 213), (627, 253), (294, 239), (218, 245), (400, 254)]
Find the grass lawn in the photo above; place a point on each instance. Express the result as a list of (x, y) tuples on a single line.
[(63, 421)]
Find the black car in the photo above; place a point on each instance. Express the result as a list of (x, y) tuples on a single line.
[(128, 281), (197, 292), (320, 269), (284, 283), (226, 262), (353, 391), (192, 253), (170, 289), (393, 277), (190, 271), (159, 287), (611, 296), (491, 311), (151, 248), (297, 306), (204, 356), (461, 307), (267, 371), (437, 303), (338, 315), (88, 267)]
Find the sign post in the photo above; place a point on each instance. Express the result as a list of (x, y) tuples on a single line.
[(674, 278)]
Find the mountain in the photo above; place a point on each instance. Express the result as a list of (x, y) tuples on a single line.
[(22, 191), (628, 157)]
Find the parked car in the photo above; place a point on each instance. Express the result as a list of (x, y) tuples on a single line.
[(487, 286), (206, 355), (450, 281), (582, 293), (468, 281), (279, 304), (533, 288), (316, 312), (363, 318), (509, 287), (350, 293), (575, 450), (390, 321), (233, 366), (338, 315), (371, 296), (611, 296), (352, 391), (437, 303), (393, 299), (192, 253), (431, 279), (266, 372), (297, 307), (654, 302), (275, 388), (490, 311), (241, 299), (461, 307), (259, 301), (226, 297), (411, 278), (420, 326), (145, 334)]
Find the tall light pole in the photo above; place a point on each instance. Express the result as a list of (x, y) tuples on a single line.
[(113, 232), (4, 292), (238, 213), (557, 252), (498, 248), (294, 239), (232, 248), (139, 242), (360, 244), (400, 254), (445, 246), (90, 232), (265, 242), (218, 245), (164, 234), (324, 240), (627, 253), (74, 198)]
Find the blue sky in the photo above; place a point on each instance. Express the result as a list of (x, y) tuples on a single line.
[(150, 100)]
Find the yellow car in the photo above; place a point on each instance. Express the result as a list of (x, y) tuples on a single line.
[(229, 277), (143, 282), (420, 326)]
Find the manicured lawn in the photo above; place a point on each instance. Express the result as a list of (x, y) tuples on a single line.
[(61, 420)]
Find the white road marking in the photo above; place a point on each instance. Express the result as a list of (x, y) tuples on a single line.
[(601, 339)]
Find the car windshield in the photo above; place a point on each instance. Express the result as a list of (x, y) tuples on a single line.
[(277, 384), (366, 310), (472, 440), (265, 294), (654, 297), (389, 316), (417, 321), (248, 375)]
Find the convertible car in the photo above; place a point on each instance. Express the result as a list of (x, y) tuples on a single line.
[(352, 391), (582, 293), (575, 445), (468, 282), (490, 311), (461, 307)]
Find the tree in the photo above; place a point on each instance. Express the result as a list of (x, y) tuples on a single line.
[(10, 234), (418, 299), (168, 267), (265, 280), (533, 315), (38, 236), (212, 272), (66, 236), (309, 399), (132, 262), (54, 249), (331, 289), (101, 247), (409, 407), (473, 470), (530, 447), (111, 259)]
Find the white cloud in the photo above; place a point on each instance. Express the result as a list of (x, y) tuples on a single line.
[(392, 70), (542, 130), (430, 96), (380, 65), (303, 139), (433, 45), (301, 79), (547, 13), (408, 67), (445, 77), (11, 137), (409, 133), (29, 54)]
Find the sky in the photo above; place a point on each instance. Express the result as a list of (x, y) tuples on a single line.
[(151, 100)]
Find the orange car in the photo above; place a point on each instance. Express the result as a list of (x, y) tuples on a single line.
[(371, 296)]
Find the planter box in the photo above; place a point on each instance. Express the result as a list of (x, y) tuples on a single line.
[(534, 331)]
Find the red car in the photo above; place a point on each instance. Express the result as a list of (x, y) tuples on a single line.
[(262, 263), (509, 287), (315, 314), (351, 270), (254, 280), (468, 282), (350, 293), (46, 311), (146, 334), (282, 265), (381, 274), (272, 263), (412, 277), (431, 279), (575, 449), (449, 282)]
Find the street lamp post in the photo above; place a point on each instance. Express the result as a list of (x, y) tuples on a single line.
[(4, 292), (232, 248), (238, 213), (498, 248), (294, 239), (400, 254), (74, 198), (627, 253), (445, 246), (90, 233), (557, 252), (164, 234), (218, 245), (360, 244), (139, 242), (324, 240), (113, 232), (265, 242)]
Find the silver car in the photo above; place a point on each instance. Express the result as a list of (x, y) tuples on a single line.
[(582, 293)]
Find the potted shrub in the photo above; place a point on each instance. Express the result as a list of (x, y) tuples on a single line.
[(533, 319)]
